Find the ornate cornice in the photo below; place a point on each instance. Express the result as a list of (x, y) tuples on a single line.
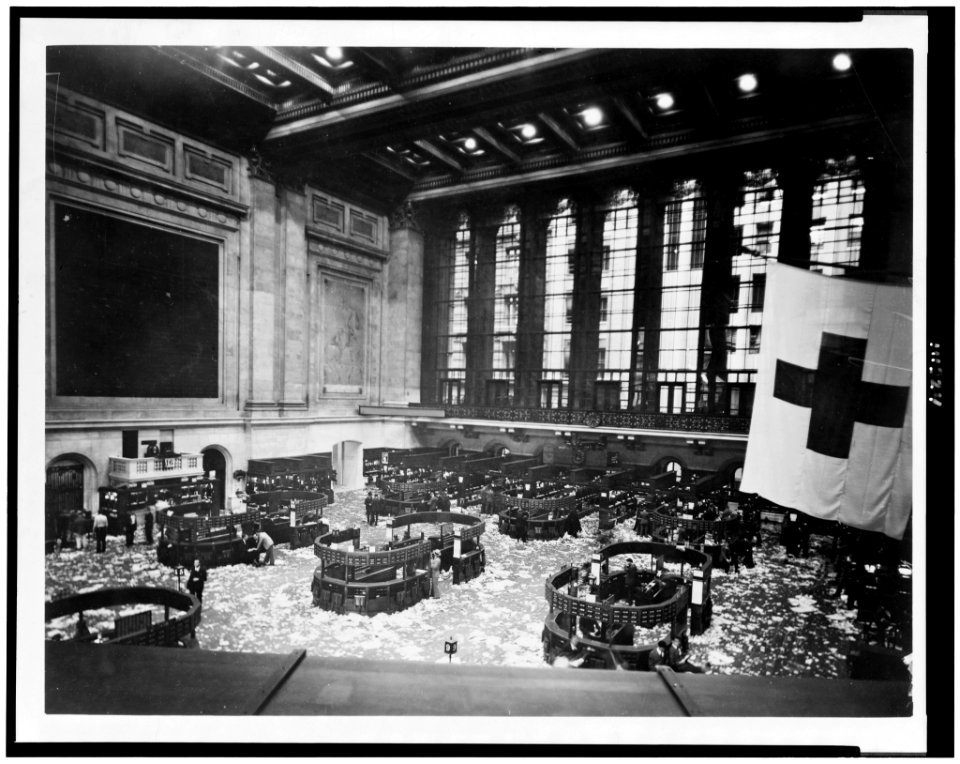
[(127, 184)]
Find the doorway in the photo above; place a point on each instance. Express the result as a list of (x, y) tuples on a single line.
[(215, 466), (63, 493)]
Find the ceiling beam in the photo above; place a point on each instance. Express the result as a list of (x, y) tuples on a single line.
[(631, 117), (292, 65), (215, 74), (497, 144), (389, 165), (378, 68), (437, 153), (558, 131)]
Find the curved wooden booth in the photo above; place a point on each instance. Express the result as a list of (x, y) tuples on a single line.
[(659, 598), (394, 578), (546, 515), (138, 628), (288, 517)]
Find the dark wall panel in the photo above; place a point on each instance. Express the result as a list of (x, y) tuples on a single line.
[(137, 309)]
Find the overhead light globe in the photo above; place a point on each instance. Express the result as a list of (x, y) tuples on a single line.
[(842, 62), (747, 83), (470, 144), (334, 53), (664, 101), (528, 131), (592, 116)]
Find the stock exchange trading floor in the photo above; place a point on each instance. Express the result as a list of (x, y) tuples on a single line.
[(776, 619)]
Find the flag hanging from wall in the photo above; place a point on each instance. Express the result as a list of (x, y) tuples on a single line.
[(830, 433)]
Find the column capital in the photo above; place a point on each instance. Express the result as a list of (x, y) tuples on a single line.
[(405, 217)]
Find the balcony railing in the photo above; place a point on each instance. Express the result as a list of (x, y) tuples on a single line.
[(628, 419), (155, 467)]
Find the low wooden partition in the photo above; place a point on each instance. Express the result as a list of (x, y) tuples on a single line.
[(216, 541), (697, 527), (137, 630), (545, 516), (567, 604), (514, 467), (406, 491)]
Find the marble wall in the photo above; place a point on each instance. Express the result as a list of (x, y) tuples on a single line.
[(320, 301)]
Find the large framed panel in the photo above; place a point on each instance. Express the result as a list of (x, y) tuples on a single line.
[(344, 305)]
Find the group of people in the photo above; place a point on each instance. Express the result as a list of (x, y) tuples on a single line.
[(76, 525), (672, 653)]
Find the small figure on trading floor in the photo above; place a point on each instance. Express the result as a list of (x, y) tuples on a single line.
[(630, 581), (78, 528), (658, 656), (83, 631), (198, 577), (265, 545), (130, 528), (435, 573), (522, 525), (100, 531), (368, 505), (148, 525), (679, 661), (572, 525)]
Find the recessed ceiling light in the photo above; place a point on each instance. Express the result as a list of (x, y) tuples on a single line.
[(664, 101), (528, 131), (747, 83), (470, 144), (592, 116), (334, 53), (842, 62)]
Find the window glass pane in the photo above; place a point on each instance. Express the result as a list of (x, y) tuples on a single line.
[(558, 300), (837, 217)]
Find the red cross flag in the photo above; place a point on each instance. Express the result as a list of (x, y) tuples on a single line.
[(830, 433)]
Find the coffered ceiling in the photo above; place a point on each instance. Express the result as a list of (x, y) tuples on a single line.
[(381, 124)]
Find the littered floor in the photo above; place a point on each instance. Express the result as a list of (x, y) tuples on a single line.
[(775, 619)]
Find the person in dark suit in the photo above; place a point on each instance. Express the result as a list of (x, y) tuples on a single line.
[(198, 577), (148, 525), (368, 506), (522, 526), (130, 528), (571, 525), (629, 581)]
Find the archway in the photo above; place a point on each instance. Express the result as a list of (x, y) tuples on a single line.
[(71, 484), (216, 465), (672, 464), (452, 447), (496, 449), (347, 458)]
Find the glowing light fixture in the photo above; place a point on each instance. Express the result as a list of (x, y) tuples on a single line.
[(664, 101), (592, 116), (334, 53), (842, 62), (528, 131), (470, 144), (747, 83)]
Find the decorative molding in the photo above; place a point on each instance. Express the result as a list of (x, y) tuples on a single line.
[(122, 184), (593, 419), (405, 217), (260, 168)]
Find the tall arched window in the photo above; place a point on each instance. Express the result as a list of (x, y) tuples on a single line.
[(506, 307), (558, 306), (617, 285), (757, 219), (684, 237), (453, 359)]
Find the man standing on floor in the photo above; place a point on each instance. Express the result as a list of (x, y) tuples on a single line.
[(131, 528), (100, 531)]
